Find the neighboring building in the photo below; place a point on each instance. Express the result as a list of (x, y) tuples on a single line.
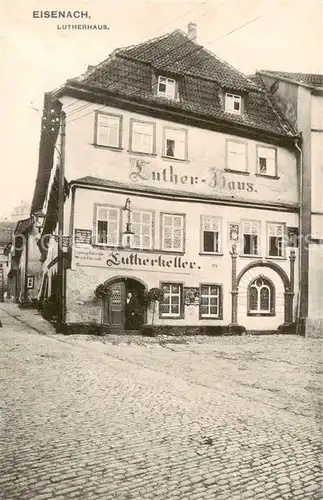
[(6, 231), (183, 175), (300, 97), (24, 260), (20, 212)]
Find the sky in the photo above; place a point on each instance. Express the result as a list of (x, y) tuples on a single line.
[(36, 57)]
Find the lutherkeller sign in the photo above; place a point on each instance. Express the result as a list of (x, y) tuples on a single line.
[(83, 236), (132, 260)]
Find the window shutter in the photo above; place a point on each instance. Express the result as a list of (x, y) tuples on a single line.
[(142, 227), (173, 233), (108, 130), (142, 137), (270, 159), (108, 220), (211, 224), (179, 139), (236, 156)]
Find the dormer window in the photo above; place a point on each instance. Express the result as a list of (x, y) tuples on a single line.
[(166, 87), (233, 103)]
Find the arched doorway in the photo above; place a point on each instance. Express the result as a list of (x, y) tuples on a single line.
[(123, 308)]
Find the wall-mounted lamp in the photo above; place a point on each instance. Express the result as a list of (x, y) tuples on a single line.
[(39, 220), (128, 232)]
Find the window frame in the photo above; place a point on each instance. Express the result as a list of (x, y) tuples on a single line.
[(144, 122), (284, 240), (272, 288), (242, 234), (175, 214), (220, 240), (261, 174), (227, 167), (153, 215), (181, 304), (164, 150), (32, 285), (212, 317), (234, 96), (174, 97), (96, 129), (95, 225)]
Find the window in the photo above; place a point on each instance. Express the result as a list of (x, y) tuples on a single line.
[(30, 282), (107, 232), (261, 297), (175, 143), (233, 103), (250, 231), (142, 137), (236, 156), (266, 161), (210, 234), (172, 232), (210, 301), (166, 87), (142, 226), (172, 303), (275, 234), (108, 130)]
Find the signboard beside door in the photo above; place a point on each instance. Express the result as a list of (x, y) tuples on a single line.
[(83, 236)]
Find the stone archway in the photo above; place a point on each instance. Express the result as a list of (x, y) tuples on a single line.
[(287, 283), (114, 312)]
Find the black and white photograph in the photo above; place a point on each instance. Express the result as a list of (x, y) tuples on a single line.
[(161, 249)]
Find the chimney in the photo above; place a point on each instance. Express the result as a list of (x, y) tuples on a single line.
[(89, 67), (191, 31)]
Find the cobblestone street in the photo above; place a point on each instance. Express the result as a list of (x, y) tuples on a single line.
[(211, 418)]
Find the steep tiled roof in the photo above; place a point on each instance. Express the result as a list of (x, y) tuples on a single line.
[(200, 75), (22, 225), (312, 79)]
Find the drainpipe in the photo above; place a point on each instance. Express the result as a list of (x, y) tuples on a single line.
[(301, 243), (26, 269)]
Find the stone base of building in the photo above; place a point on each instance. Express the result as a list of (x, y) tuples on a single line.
[(153, 330), (236, 330), (314, 327), (174, 330), (287, 329)]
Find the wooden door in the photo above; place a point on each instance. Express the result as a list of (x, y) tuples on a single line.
[(114, 307)]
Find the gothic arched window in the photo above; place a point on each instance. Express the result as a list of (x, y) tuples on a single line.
[(261, 297)]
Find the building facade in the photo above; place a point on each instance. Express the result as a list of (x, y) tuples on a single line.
[(24, 263), (181, 175), (6, 231), (300, 97)]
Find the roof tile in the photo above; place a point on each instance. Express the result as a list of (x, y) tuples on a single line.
[(312, 79), (200, 74)]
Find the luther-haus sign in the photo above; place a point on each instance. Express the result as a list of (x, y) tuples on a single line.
[(142, 171)]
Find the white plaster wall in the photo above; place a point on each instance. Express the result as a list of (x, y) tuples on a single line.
[(317, 112), (206, 150), (317, 171), (86, 274), (315, 281)]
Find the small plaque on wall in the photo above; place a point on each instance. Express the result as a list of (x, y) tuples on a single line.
[(292, 237), (191, 296), (233, 232), (83, 236)]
